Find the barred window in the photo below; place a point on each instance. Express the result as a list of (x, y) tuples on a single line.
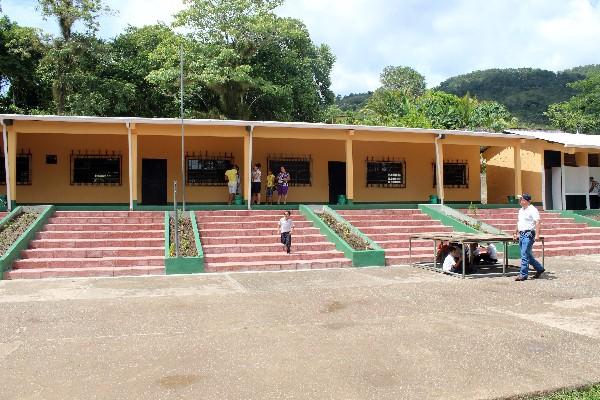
[(96, 169), (570, 160), (207, 170), (387, 174), (23, 169), (456, 174), (297, 167), (593, 160)]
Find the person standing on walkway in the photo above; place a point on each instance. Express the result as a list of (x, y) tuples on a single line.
[(256, 183), (286, 227), (528, 231), (283, 179), (231, 175)]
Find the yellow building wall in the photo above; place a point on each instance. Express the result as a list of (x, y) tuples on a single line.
[(501, 174), (52, 183), (419, 159), (169, 148), (321, 152)]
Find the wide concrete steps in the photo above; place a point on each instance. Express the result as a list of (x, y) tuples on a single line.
[(391, 230), (249, 241), (39, 273), (75, 244), (562, 236)]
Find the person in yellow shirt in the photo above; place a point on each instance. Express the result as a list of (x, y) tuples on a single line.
[(231, 176), (270, 187)]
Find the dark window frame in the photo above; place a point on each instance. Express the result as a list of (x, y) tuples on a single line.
[(374, 167), (97, 179), (594, 160), (24, 176), (452, 185), (298, 176), (570, 160), (207, 177), (20, 174)]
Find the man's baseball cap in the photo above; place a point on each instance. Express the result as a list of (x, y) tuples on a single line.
[(526, 196)]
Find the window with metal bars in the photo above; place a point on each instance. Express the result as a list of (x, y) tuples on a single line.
[(298, 168), (23, 169), (207, 170), (386, 174), (593, 160), (570, 160), (96, 169), (456, 174)]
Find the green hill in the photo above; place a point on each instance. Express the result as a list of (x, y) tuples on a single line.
[(526, 92)]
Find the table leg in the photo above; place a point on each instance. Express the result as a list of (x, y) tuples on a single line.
[(505, 259), (434, 254), (543, 254), (410, 251), (464, 263)]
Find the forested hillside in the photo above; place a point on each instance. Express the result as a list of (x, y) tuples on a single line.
[(526, 92)]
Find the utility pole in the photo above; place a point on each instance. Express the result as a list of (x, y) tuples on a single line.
[(182, 130)]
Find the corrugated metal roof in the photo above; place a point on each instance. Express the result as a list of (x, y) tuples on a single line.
[(267, 124), (565, 138)]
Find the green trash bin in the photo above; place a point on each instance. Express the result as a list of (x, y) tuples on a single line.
[(433, 199), (341, 199), (511, 199), (238, 200)]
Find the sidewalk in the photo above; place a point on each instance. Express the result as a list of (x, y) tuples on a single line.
[(398, 333)]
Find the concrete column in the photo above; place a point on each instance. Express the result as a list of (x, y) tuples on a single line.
[(439, 168), (517, 162), (133, 165), (246, 173), (349, 167), (562, 180), (12, 161)]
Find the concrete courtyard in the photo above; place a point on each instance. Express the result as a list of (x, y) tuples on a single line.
[(393, 333)]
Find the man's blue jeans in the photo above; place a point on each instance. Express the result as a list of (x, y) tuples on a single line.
[(526, 240)]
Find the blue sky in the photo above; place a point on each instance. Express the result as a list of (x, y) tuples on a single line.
[(439, 38)]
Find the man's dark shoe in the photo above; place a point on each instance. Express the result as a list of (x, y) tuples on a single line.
[(538, 274), (520, 278)]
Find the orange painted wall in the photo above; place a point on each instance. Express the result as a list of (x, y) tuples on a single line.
[(51, 183)]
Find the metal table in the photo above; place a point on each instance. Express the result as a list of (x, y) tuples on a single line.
[(468, 239)]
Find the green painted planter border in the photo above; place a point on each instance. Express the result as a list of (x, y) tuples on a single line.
[(579, 218), (360, 258), (22, 242), (513, 249), (183, 265)]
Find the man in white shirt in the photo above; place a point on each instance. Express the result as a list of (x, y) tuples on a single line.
[(528, 231), (286, 227)]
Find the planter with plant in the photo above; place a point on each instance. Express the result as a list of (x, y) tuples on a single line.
[(190, 259)]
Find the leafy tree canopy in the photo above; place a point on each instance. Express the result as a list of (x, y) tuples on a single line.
[(403, 79), (581, 112)]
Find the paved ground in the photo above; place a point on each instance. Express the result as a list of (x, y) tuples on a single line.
[(398, 333)]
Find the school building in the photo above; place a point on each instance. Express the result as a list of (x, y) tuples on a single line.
[(133, 162)]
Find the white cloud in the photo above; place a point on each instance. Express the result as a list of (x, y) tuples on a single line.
[(439, 38)]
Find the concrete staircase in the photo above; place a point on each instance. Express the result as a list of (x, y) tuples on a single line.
[(391, 230), (248, 241), (563, 236), (82, 243)]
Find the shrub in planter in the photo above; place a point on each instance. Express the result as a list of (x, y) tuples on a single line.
[(345, 232), (13, 229)]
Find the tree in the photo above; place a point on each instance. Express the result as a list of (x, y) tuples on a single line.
[(132, 61), (70, 45), (581, 112), (21, 49), (254, 63), (404, 79)]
